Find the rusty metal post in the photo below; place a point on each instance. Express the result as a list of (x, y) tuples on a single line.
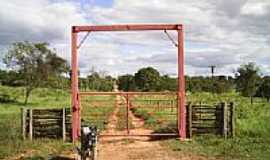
[(181, 86), (74, 87)]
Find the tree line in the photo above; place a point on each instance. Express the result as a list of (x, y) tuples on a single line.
[(33, 65), (247, 81)]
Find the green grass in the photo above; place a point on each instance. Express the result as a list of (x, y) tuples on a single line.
[(159, 114), (11, 143), (10, 138), (96, 110), (10, 133), (213, 146), (122, 119), (252, 139)]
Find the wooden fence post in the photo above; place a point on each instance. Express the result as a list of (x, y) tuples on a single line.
[(23, 122), (30, 124), (171, 103), (64, 124), (232, 119), (189, 109), (224, 119), (127, 113)]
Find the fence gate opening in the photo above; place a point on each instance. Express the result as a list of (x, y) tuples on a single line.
[(131, 113), (163, 113)]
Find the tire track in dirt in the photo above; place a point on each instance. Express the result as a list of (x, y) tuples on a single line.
[(140, 148), (131, 148), (111, 127)]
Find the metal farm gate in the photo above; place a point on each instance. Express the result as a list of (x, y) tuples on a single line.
[(139, 105), (131, 113)]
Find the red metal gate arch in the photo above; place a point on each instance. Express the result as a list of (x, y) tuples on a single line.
[(75, 101)]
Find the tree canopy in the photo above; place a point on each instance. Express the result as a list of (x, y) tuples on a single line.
[(264, 89), (247, 79), (147, 79), (36, 63), (126, 83)]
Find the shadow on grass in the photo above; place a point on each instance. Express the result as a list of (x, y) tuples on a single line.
[(170, 128), (61, 158), (51, 158), (34, 158), (159, 128), (13, 102), (159, 138)]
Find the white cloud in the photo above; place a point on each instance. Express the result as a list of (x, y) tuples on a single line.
[(38, 20), (212, 25), (225, 33), (255, 8)]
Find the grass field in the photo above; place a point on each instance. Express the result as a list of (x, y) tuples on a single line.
[(10, 138), (96, 110), (159, 112), (252, 139)]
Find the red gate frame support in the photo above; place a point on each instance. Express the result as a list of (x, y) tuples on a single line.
[(181, 87), (139, 27)]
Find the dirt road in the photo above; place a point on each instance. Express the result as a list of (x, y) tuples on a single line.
[(135, 148), (132, 148)]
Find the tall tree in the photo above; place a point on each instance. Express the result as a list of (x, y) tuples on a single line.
[(221, 84), (98, 81), (126, 83), (36, 63), (247, 79), (264, 89), (147, 79), (93, 81)]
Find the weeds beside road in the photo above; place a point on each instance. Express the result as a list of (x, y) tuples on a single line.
[(252, 139)]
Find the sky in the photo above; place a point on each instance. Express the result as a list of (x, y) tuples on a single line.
[(224, 33)]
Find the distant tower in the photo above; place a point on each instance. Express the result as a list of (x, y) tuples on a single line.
[(212, 70), (212, 74)]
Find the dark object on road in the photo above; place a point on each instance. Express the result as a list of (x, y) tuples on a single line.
[(88, 149)]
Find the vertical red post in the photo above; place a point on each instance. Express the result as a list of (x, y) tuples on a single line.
[(181, 86), (74, 87)]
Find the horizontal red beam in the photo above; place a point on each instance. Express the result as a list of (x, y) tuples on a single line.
[(126, 93), (133, 27)]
